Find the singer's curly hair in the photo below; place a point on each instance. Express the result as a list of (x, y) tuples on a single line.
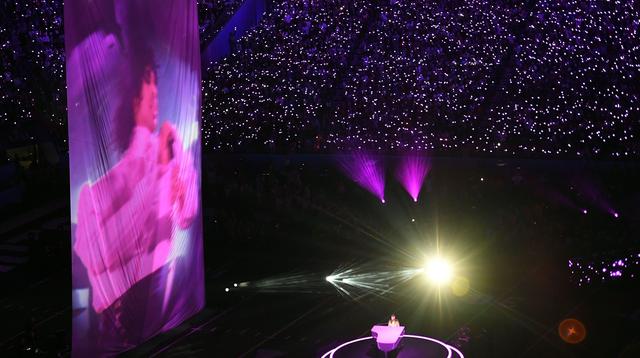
[(139, 35), (140, 69)]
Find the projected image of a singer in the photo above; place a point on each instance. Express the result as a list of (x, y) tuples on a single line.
[(128, 216)]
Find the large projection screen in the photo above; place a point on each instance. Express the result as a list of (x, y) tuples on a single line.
[(133, 86)]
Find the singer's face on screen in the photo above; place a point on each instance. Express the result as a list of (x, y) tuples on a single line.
[(145, 106)]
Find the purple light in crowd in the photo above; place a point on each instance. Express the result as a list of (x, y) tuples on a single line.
[(411, 173), (616, 215), (584, 211), (585, 271), (367, 171)]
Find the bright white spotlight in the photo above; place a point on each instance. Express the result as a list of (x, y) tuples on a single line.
[(235, 285), (330, 278), (439, 271), (226, 289)]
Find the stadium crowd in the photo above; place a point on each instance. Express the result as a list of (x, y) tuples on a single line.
[(538, 78), (212, 15)]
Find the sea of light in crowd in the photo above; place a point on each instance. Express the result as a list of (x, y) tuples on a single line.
[(548, 79), (212, 15), (545, 78), (32, 76)]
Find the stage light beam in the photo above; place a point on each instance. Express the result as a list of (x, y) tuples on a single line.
[(439, 271), (355, 282)]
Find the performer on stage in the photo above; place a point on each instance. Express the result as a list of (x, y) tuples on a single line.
[(393, 321)]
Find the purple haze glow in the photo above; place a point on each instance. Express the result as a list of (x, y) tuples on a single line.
[(592, 191), (367, 171), (411, 173), (555, 195)]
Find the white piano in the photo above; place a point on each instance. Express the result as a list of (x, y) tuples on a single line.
[(387, 337)]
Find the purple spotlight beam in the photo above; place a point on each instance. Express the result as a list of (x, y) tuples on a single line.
[(411, 173), (593, 192), (366, 171)]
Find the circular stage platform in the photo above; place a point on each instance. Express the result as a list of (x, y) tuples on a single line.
[(411, 346)]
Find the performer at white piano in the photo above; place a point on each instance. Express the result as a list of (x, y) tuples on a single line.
[(393, 321)]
